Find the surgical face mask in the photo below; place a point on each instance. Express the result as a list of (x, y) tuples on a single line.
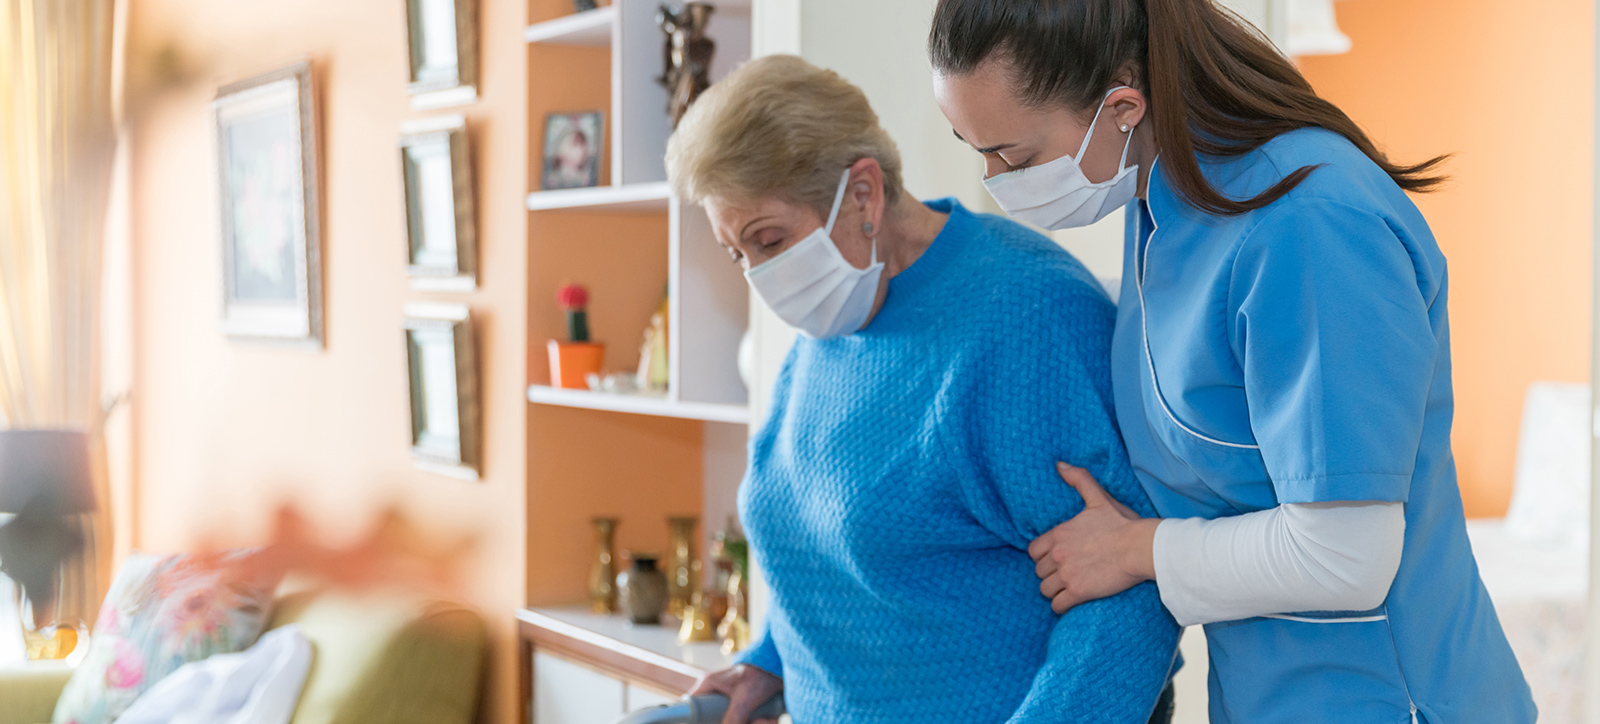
[(811, 287), (1056, 195)]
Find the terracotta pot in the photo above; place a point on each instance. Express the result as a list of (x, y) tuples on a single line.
[(571, 363)]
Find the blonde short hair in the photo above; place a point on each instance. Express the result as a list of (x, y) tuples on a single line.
[(778, 127)]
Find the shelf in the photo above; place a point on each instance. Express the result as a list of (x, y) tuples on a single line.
[(635, 652), (591, 28), (651, 197), (638, 405)]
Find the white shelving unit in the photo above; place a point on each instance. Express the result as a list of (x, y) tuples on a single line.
[(650, 197), (639, 404), (708, 301), (591, 28)]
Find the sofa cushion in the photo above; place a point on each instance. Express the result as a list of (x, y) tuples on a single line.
[(161, 613), (386, 657)]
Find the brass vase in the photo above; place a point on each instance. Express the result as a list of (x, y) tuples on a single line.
[(735, 627), (683, 569), (603, 574)]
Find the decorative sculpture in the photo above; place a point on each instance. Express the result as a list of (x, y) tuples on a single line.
[(688, 55)]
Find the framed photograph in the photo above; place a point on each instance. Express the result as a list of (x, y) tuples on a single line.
[(441, 235), (444, 391), (443, 51), (267, 181), (572, 146)]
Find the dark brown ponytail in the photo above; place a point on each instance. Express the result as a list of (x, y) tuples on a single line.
[(1216, 87)]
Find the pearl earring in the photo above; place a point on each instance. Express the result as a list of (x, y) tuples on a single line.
[(1124, 128), (867, 228)]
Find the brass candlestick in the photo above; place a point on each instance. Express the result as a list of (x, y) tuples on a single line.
[(603, 574), (683, 569)]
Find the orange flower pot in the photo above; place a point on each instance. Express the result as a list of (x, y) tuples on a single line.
[(571, 363)]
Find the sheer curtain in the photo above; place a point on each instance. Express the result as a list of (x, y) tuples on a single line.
[(56, 152)]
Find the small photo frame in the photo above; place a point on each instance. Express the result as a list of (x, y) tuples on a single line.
[(441, 234), (442, 40), (444, 390), (572, 148), (267, 185)]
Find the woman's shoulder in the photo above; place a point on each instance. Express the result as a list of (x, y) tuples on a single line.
[(1341, 172), (1008, 255), (1027, 284)]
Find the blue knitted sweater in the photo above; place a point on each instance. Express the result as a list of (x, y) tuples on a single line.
[(904, 469)]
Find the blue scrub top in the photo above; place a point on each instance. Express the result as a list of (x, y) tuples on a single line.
[(1300, 353)]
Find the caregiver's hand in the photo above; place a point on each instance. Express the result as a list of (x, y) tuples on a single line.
[(1102, 551), (746, 687)]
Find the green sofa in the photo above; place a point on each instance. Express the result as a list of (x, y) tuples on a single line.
[(390, 659)]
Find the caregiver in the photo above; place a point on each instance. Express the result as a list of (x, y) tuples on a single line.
[(1281, 358)]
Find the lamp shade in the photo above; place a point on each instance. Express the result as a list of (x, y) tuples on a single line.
[(45, 472)]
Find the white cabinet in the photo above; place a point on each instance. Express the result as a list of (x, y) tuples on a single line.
[(569, 693), (638, 697)]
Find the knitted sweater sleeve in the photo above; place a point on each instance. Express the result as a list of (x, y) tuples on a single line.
[(1039, 393)]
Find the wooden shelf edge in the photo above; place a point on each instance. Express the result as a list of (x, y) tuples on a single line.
[(638, 405), (650, 197), (591, 28)]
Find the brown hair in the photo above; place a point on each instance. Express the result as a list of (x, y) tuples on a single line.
[(1216, 86)]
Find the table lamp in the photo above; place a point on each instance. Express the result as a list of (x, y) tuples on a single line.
[(45, 476)]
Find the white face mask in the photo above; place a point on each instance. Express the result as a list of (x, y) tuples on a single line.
[(1057, 195), (811, 287)]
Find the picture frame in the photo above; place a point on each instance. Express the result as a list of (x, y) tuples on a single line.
[(573, 146), (444, 390), (441, 43), (269, 206), (439, 203)]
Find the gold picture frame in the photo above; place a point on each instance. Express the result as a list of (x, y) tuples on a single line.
[(270, 210)]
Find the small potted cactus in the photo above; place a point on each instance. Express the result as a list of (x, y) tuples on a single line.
[(572, 361)]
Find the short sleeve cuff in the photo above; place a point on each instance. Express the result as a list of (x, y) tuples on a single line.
[(1376, 487)]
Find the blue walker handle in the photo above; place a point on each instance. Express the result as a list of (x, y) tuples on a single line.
[(704, 709)]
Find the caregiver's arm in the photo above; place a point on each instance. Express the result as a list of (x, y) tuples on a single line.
[(1295, 557), (1043, 393)]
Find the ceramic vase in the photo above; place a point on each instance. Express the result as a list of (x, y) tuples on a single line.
[(642, 590), (603, 573)]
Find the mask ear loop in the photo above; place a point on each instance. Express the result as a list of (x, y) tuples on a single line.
[(838, 201), (1090, 135)]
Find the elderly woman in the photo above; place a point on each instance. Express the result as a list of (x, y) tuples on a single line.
[(909, 457)]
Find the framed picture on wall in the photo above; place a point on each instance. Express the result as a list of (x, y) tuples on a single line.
[(572, 146), (442, 39), (444, 390), (267, 182), (441, 235)]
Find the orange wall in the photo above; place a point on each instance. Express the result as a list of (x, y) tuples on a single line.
[(1506, 87), (225, 430)]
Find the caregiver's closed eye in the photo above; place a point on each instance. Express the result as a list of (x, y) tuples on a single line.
[(1095, 554)]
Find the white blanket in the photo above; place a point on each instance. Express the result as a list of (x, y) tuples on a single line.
[(259, 685)]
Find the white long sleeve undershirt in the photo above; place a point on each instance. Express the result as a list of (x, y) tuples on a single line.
[(1296, 557)]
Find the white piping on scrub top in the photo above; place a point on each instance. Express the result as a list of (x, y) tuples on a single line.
[(1144, 333)]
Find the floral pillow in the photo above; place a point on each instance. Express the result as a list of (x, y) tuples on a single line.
[(161, 613)]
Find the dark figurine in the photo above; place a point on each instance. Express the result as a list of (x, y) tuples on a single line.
[(688, 55)]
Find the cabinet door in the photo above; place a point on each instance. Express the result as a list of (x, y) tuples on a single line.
[(639, 697), (569, 693)]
